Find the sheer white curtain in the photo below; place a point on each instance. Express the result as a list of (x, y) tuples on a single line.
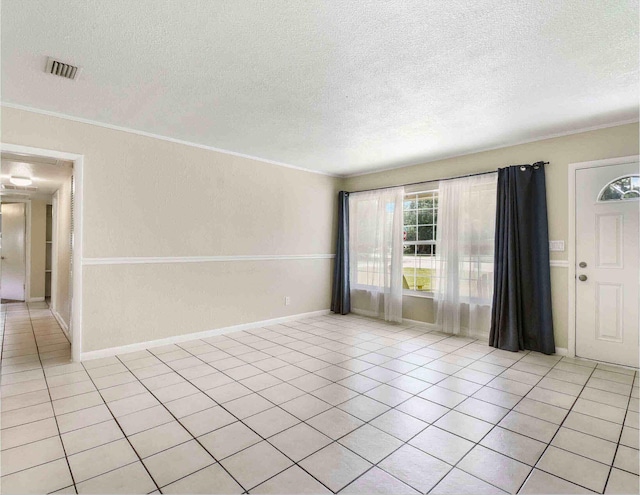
[(375, 252), (464, 254)]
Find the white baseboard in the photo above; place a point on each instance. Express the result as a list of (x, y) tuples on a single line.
[(371, 314), (464, 331), (139, 346), (419, 323), (562, 351), (36, 299), (62, 323), (362, 312)]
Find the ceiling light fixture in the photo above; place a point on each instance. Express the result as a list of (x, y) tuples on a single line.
[(20, 181)]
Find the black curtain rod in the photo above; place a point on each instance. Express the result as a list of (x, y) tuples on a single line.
[(535, 166)]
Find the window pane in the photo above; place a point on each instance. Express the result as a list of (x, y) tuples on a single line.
[(622, 188), (409, 217), (426, 201), (408, 267), (408, 279), (425, 250), (425, 233), (425, 274), (410, 204), (411, 233), (425, 217)]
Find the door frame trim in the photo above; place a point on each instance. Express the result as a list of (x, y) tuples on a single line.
[(78, 213), (54, 250), (571, 310)]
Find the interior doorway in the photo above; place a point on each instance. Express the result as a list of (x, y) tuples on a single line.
[(606, 261), (45, 184)]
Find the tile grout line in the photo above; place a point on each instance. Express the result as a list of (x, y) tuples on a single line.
[(494, 425), (478, 443), (300, 421), (311, 393), (390, 408), (333, 441), (337, 382), (548, 444), (444, 338), (208, 364), (615, 454), (35, 340), (221, 405), (242, 421), (522, 397), (64, 450), (332, 406), (386, 383), (556, 433), (212, 368), (332, 381), (115, 419), (186, 429)]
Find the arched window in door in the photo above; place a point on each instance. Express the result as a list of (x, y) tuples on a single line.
[(622, 188)]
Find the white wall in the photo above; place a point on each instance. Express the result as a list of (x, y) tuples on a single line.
[(145, 197)]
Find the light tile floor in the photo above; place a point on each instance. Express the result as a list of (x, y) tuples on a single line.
[(319, 405)]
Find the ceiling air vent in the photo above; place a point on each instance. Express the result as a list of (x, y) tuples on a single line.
[(11, 187), (61, 69)]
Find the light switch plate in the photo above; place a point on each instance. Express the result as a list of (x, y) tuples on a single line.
[(556, 245)]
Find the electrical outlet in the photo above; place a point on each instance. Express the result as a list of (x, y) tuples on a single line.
[(556, 245), (287, 300)]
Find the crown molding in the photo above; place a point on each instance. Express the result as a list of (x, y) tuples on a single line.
[(161, 137)]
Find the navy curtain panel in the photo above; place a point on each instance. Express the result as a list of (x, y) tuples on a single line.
[(341, 297), (521, 315)]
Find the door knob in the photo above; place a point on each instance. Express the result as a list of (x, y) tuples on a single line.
[(582, 278), (582, 264)]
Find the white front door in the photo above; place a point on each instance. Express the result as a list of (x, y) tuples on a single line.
[(13, 258), (607, 267)]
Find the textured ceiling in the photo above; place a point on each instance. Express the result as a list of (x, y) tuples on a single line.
[(335, 86)]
